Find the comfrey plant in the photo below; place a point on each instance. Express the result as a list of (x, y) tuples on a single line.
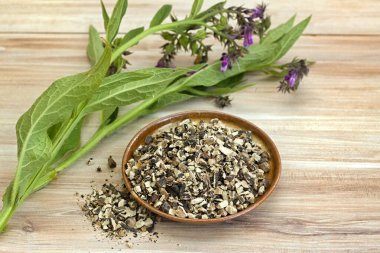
[(49, 133), (227, 25)]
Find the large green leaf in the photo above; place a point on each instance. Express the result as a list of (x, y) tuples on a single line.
[(161, 15), (288, 40), (259, 55), (226, 86), (55, 105), (169, 99), (115, 20), (276, 33), (127, 88)]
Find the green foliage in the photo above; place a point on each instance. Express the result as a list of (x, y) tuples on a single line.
[(95, 46), (197, 6), (38, 145), (115, 20), (106, 18), (161, 15)]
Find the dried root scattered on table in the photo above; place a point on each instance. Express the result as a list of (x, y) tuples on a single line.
[(199, 170), (116, 213)]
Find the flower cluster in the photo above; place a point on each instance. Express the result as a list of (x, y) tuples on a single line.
[(235, 28), (295, 71), (250, 22), (229, 26)]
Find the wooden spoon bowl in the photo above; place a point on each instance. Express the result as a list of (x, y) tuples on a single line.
[(259, 136)]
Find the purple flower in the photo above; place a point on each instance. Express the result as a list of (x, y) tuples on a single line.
[(248, 37), (258, 12), (297, 69), (291, 78), (290, 81), (225, 63)]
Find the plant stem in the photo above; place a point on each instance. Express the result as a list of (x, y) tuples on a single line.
[(152, 30), (103, 132), (5, 214), (198, 92)]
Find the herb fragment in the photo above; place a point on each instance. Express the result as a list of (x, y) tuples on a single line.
[(116, 213), (111, 163), (90, 161), (222, 101)]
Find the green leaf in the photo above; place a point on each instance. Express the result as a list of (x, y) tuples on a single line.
[(95, 46), (168, 36), (276, 33), (72, 142), (54, 130), (169, 99), (161, 15), (131, 34), (229, 90), (229, 85), (267, 23), (119, 63), (121, 89), (196, 8), (215, 7), (115, 20), (55, 105), (226, 86), (114, 81), (109, 115), (259, 55), (288, 40), (194, 47), (106, 18), (275, 73), (184, 41), (200, 35), (223, 21), (230, 82)]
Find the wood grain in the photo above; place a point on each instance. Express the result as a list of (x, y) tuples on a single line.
[(68, 16), (328, 134)]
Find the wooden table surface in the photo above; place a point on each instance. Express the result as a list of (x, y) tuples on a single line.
[(328, 133)]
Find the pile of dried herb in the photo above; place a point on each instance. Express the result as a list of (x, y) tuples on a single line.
[(199, 170), (116, 213), (48, 134)]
